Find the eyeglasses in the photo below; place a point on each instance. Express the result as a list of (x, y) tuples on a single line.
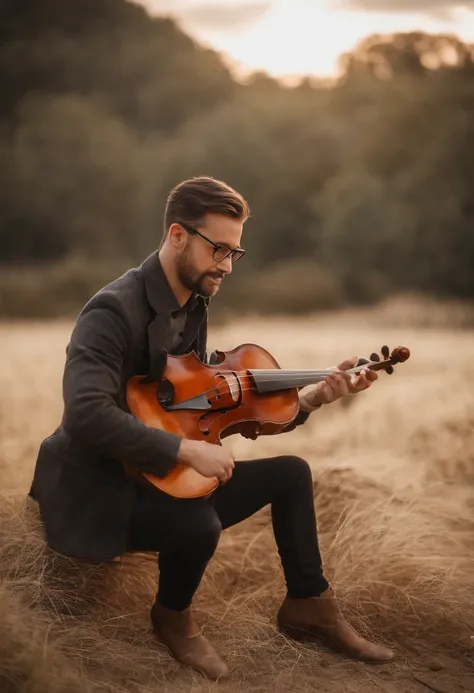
[(221, 252)]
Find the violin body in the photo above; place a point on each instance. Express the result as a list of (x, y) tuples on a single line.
[(218, 400), (244, 392)]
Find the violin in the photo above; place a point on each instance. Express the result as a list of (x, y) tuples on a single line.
[(244, 391)]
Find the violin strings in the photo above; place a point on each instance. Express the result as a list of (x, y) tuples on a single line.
[(319, 376), (254, 387), (292, 374)]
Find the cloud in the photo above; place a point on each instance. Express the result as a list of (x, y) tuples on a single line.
[(225, 17), (208, 16), (441, 9)]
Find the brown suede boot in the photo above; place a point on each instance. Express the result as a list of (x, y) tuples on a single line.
[(182, 635), (321, 617)]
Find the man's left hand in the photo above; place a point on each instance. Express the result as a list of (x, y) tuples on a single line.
[(336, 385)]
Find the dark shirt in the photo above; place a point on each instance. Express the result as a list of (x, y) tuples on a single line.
[(179, 322)]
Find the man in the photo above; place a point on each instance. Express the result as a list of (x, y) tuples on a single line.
[(93, 510)]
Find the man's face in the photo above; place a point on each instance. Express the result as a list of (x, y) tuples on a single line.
[(197, 269)]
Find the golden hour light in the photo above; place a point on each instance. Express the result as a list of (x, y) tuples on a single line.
[(290, 38), (237, 335)]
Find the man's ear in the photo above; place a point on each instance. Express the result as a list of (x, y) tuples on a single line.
[(177, 236)]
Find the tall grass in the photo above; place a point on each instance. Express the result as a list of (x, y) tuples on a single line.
[(394, 499)]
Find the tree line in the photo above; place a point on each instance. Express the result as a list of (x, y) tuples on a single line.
[(357, 189)]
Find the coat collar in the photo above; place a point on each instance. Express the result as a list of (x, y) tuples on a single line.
[(163, 301), (159, 293)]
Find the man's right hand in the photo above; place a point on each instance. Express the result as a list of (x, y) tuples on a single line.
[(207, 459)]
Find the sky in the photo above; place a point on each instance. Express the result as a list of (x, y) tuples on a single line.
[(291, 38)]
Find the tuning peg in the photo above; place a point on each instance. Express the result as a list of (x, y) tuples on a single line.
[(374, 357), (385, 352), (362, 362), (389, 370)]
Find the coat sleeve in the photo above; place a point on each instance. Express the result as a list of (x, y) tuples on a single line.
[(92, 387), (300, 419)]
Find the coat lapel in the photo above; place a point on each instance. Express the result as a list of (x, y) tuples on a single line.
[(159, 338), (159, 293)]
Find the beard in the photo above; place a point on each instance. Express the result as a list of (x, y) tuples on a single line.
[(197, 282)]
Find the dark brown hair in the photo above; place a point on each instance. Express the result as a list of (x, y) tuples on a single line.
[(189, 201)]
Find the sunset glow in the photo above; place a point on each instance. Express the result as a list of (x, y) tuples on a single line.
[(294, 37)]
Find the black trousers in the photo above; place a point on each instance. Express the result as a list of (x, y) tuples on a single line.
[(186, 532)]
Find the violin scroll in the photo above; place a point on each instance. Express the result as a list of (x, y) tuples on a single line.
[(399, 355)]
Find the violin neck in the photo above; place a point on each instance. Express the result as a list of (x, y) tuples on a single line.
[(272, 380)]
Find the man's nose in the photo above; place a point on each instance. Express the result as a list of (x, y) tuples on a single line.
[(225, 265)]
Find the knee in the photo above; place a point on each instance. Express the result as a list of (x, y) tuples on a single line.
[(201, 529), (297, 470), (208, 527)]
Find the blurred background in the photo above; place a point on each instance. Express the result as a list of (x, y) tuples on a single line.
[(348, 126)]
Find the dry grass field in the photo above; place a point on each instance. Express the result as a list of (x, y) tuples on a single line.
[(394, 491)]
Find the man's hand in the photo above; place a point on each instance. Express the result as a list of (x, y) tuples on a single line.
[(207, 459), (336, 385)]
